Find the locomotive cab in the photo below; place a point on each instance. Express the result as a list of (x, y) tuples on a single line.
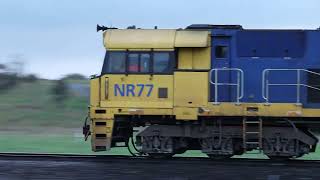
[(140, 78)]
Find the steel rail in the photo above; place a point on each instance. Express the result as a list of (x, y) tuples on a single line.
[(144, 159)]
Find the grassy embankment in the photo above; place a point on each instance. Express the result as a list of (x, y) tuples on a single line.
[(30, 121)]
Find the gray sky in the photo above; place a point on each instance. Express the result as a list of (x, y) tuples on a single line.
[(58, 37)]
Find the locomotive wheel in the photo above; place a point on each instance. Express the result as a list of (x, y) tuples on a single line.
[(219, 157)]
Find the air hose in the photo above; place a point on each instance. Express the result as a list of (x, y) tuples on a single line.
[(86, 129)]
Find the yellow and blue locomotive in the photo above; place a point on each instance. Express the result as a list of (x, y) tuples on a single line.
[(220, 89)]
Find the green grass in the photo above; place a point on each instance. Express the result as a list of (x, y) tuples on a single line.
[(30, 121), (32, 105), (48, 143)]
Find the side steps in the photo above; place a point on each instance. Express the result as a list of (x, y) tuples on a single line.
[(102, 130), (252, 134)]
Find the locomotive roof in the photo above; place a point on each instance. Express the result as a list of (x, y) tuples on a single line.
[(235, 27), (154, 38), (195, 35)]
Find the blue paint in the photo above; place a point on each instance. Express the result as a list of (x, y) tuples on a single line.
[(141, 86), (132, 90), (150, 89), (271, 47), (270, 43), (119, 90)]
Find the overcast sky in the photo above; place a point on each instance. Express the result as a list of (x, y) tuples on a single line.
[(57, 37)]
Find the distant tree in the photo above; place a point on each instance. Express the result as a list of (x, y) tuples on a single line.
[(7, 81), (2, 66), (132, 27), (11, 72), (60, 92), (30, 78), (74, 76)]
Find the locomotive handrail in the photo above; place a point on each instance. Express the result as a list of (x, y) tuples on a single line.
[(239, 84), (266, 82)]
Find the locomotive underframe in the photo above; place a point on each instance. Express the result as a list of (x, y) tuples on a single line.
[(215, 136), (227, 140)]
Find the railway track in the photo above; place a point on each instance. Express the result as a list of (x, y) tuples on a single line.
[(143, 159), (75, 166)]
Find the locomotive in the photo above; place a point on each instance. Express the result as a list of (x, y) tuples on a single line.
[(221, 89)]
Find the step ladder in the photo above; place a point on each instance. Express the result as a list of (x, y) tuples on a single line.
[(252, 137)]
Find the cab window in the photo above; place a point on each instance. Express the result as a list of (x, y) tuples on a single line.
[(221, 52), (116, 62), (133, 63), (139, 63), (161, 62), (145, 63)]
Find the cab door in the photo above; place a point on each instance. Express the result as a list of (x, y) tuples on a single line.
[(221, 59)]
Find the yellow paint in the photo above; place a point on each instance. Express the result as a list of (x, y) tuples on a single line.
[(186, 113), (163, 49), (143, 101), (310, 113), (106, 129), (223, 109), (151, 38), (201, 58), (137, 104), (139, 49), (108, 115), (139, 38), (117, 49), (144, 49), (103, 89), (194, 58), (190, 89), (94, 92), (126, 111), (191, 38), (243, 109), (185, 58)]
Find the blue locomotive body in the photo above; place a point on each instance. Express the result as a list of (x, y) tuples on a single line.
[(278, 66)]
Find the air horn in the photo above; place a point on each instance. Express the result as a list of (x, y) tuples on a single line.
[(103, 28)]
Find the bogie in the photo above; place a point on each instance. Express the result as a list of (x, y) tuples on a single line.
[(217, 139)]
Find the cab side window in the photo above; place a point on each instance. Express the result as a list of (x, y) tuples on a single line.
[(116, 62), (221, 52), (161, 62)]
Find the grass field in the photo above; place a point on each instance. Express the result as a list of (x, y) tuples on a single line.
[(30, 121)]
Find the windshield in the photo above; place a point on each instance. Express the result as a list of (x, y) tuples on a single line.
[(138, 62), (115, 62)]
